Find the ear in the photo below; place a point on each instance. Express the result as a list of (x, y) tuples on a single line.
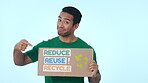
[(76, 26)]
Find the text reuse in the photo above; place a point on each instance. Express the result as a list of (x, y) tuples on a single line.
[(55, 60)]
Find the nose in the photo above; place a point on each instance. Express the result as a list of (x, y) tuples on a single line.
[(60, 24)]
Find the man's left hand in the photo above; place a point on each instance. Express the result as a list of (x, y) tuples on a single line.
[(93, 68)]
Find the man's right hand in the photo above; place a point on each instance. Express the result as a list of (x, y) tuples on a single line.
[(22, 45), (20, 58)]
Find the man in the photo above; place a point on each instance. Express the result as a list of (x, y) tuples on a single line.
[(68, 22)]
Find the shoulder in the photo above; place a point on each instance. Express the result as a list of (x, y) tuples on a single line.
[(53, 39), (46, 43), (83, 43)]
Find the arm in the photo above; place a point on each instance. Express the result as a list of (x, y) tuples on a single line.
[(20, 58), (96, 76)]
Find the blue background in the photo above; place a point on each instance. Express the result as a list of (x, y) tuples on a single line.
[(117, 29)]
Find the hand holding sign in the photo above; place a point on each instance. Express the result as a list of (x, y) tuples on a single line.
[(93, 68), (22, 45)]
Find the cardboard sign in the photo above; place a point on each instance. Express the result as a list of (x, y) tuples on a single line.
[(64, 62)]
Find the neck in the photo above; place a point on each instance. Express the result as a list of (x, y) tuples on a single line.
[(68, 39)]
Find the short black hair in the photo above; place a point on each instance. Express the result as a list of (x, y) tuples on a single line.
[(75, 12)]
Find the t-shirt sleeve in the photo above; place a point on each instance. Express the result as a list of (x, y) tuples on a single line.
[(33, 54)]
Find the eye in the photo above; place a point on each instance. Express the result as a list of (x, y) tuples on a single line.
[(66, 22), (59, 20)]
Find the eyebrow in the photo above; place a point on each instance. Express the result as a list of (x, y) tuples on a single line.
[(64, 18)]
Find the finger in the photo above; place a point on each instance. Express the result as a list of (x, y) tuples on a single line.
[(26, 42), (93, 63), (94, 74), (23, 47), (91, 70), (29, 44), (93, 67), (18, 46)]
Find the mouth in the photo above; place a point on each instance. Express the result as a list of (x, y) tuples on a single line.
[(61, 29)]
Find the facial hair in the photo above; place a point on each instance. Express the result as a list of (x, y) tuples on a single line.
[(65, 34)]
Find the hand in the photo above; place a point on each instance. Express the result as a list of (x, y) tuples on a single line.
[(22, 45), (93, 68)]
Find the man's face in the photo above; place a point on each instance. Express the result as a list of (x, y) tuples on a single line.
[(65, 24)]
